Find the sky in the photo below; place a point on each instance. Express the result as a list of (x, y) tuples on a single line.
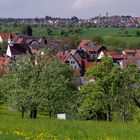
[(67, 8)]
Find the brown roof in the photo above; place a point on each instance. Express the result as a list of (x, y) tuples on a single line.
[(18, 49)]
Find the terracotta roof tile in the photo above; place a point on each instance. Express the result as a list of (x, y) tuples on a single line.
[(5, 36)]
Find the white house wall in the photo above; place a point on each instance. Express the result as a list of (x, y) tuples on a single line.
[(101, 55), (1, 40), (73, 63), (8, 52)]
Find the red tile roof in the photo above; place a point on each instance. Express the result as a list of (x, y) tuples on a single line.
[(110, 52), (130, 51), (84, 43), (92, 49), (119, 56), (5, 36), (87, 64), (63, 56)]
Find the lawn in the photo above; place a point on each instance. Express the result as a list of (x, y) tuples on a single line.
[(12, 127)]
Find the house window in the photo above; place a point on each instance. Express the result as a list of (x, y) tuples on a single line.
[(72, 62), (75, 67)]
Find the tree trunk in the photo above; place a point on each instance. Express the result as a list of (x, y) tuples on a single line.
[(124, 116), (109, 113), (33, 113), (50, 114), (124, 113), (22, 111)]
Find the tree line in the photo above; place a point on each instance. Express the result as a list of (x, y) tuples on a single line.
[(38, 85), (43, 84)]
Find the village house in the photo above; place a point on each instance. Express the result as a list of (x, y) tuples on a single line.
[(17, 48), (129, 52), (74, 62), (67, 57), (131, 60), (91, 49), (106, 53), (4, 37)]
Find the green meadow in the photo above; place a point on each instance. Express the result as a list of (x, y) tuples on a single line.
[(127, 35), (12, 127)]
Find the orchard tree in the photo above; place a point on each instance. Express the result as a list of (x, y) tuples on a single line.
[(103, 84), (49, 31), (21, 87), (98, 39), (57, 89), (73, 42), (39, 83), (121, 88), (26, 30)]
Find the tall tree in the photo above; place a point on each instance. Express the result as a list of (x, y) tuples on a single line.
[(121, 88), (57, 89), (42, 84), (103, 83), (27, 30)]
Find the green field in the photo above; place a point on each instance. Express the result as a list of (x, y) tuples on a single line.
[(124, 34), (127, 35), (12, 127)]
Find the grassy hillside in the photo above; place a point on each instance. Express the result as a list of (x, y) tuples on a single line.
[(12, 127)]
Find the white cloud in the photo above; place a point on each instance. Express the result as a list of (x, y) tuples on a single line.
[(78, 4), (85, 4)]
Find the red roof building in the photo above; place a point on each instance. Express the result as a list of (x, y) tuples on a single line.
[(5, 36)]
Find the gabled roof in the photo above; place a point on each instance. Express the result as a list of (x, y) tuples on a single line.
[(84, 43), (76, 56), (63, 56), (6, 36), (19, 49)]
